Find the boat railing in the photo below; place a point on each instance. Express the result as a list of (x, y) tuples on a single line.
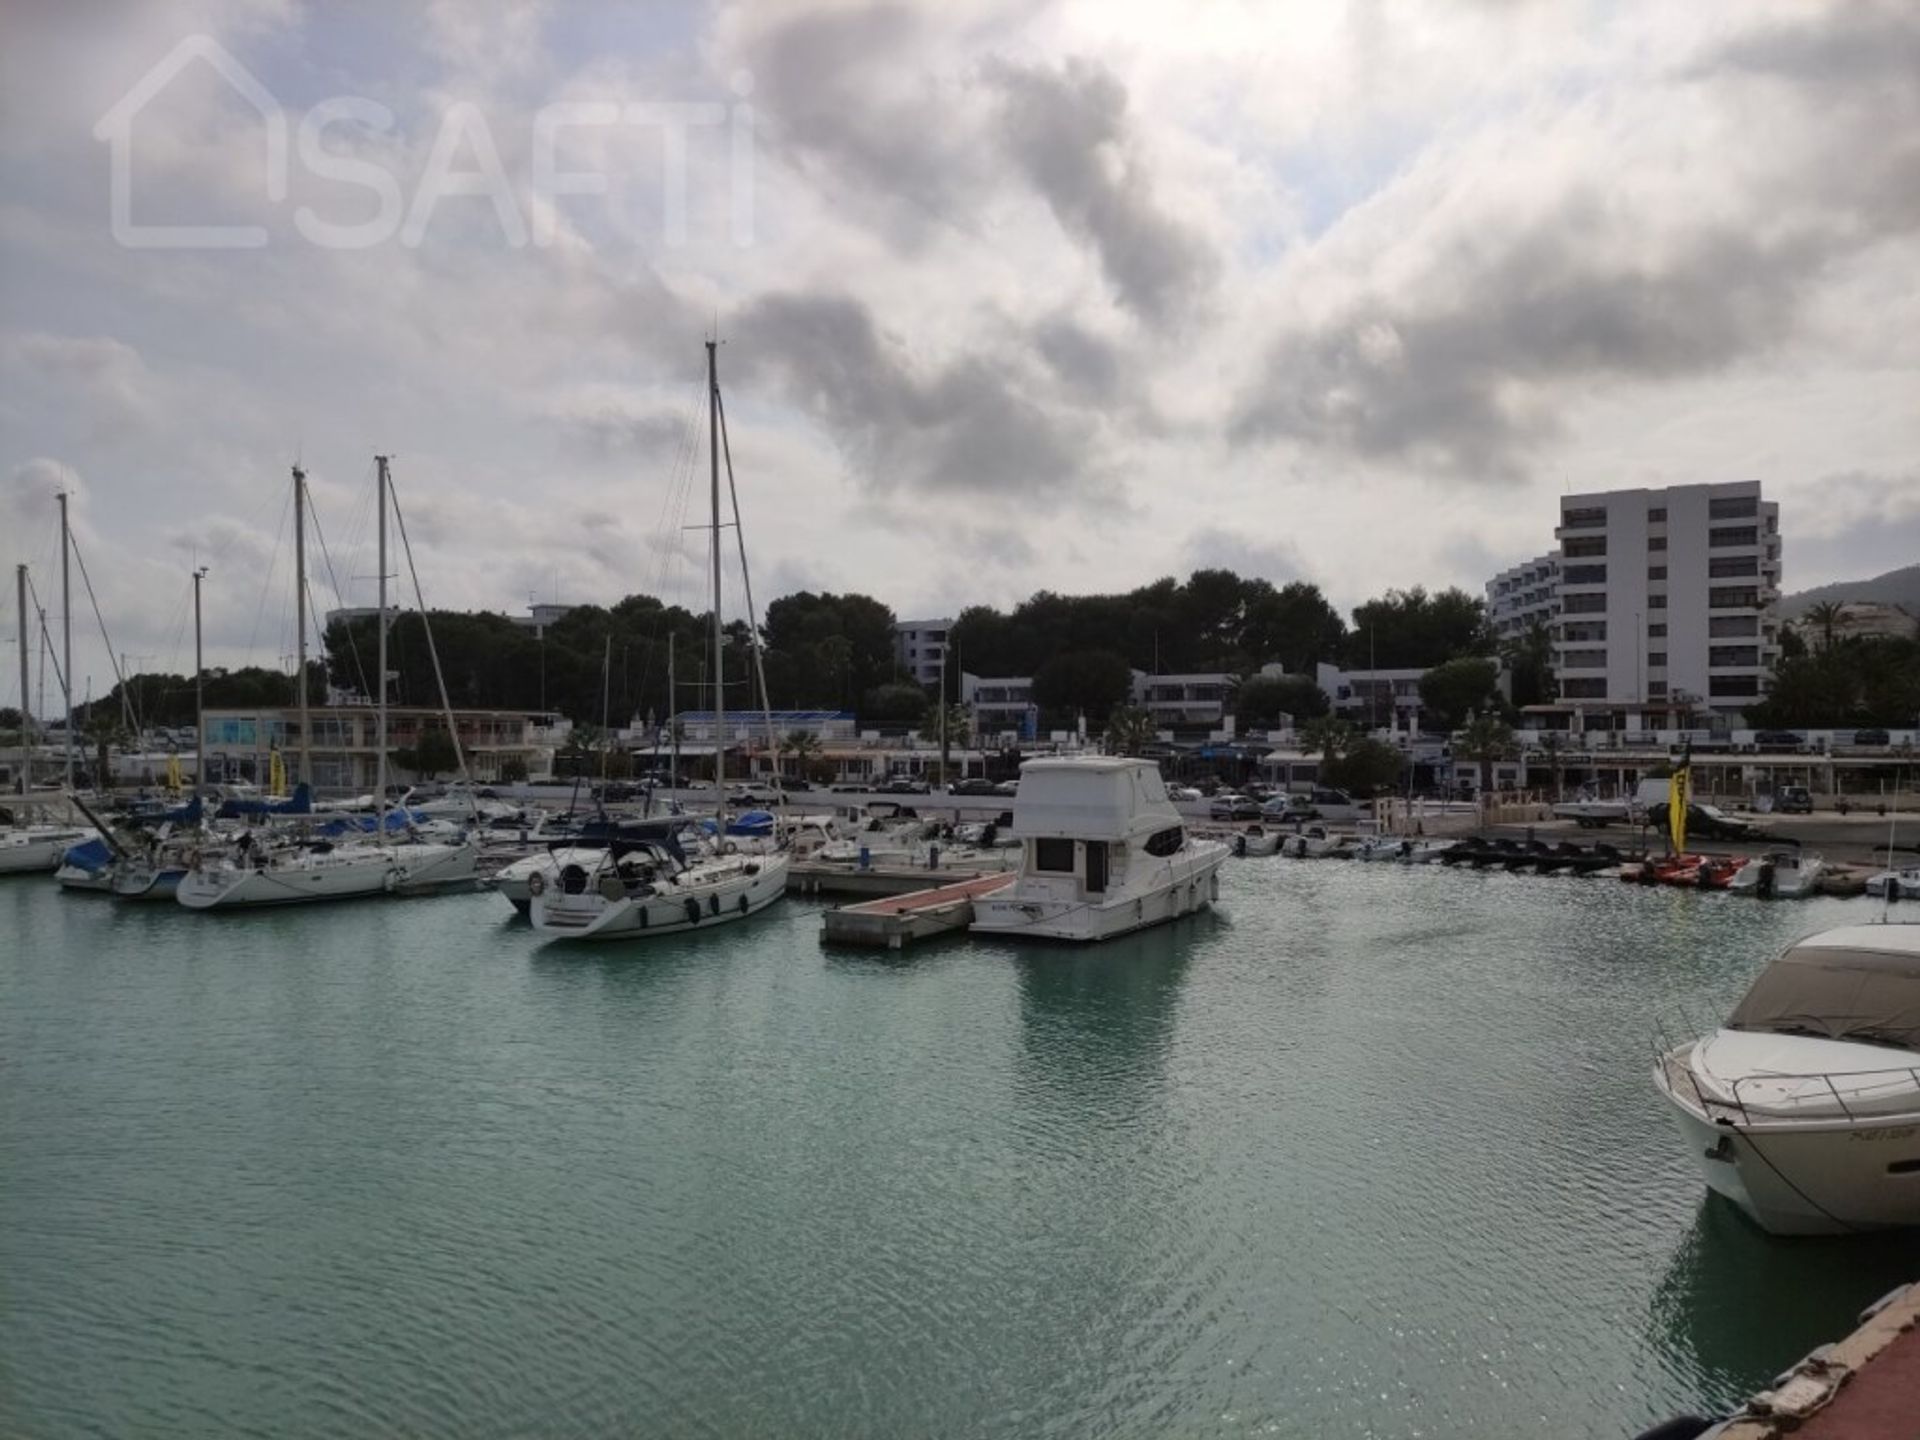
[(1735, 1107)]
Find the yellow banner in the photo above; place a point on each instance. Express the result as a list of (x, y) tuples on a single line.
[(173, 772), (276, 775), (1679, 796)]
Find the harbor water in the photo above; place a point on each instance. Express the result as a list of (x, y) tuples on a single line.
[(1367, 1152)]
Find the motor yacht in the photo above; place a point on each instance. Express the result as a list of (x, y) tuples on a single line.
[(1781, 874), (1103, 852), (1255, 840), (1895, 884), (1803, 1109)]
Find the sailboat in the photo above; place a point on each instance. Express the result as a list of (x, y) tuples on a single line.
[(266, 869), (25, 847), (651, 886)]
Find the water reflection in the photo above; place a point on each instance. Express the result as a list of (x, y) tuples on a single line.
[(1097, 1022), (1737, 1305)]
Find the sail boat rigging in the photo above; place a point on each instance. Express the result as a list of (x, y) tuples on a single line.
[(650, 886)]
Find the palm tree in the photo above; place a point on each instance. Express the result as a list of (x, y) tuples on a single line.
[(1130, 729), (1485, 738), (1826, 617), (958, 731), (802, 747), (1553, 745), (1327, 734)]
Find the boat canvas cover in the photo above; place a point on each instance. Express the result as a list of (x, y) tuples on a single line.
[(91, 856), (1091, 799), (1860, 983)]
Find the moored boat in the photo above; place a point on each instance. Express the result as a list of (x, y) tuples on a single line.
[(1803, 1109), (1103, 852)]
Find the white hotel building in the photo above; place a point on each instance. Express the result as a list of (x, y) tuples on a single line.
[(1525, 596), (1667, 598)]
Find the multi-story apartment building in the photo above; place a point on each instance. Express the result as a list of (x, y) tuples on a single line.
[(920, 648), (1667, 598), (1525, 596)]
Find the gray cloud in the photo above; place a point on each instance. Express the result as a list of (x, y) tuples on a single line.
[(1214, 547), (1453, 379), (845, 94), (966, 427), (1088, 365), (1067, 130), (1468, 370)]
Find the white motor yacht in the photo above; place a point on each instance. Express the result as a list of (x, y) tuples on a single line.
[(1256, 840), (1313, 843), (1103, 852), (1895, 884), (1804, 1108), (1779, 874), (648, 887), (28, 848)]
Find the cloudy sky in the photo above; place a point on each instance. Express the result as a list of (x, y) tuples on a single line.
[(1012, 295)]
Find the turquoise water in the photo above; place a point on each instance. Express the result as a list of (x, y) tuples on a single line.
[(1369, 1152)]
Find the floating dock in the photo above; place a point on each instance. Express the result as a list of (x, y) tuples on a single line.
[(1865, 1387), (892, 921), (816, 877)]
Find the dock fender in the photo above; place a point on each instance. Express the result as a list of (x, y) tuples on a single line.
[(713, 904), (743, 904), (1893, 887), (536, 884), (693, 911), (727, 847)]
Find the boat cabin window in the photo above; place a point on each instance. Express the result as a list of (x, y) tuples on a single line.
[(1053, 854), (1096, 867), (1165, 842), (1869, 996)]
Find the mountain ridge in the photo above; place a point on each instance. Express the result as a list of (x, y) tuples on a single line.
[(1897, 587)]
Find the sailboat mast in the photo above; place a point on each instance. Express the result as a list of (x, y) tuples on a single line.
[(26, 726), (719, 690), (199, 691), (66, 630), (380, 716), (300, 614)]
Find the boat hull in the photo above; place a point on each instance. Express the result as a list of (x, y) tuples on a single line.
[(33, 852), (232, 888), (1827, 1178), (742, 890), (148, 884), (1191, 885)]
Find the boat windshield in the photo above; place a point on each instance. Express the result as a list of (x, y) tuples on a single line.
[(1869, 997)]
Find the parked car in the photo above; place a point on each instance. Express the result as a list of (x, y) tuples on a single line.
[(903, 785), (1793, 800), (1007, 787), (1178, 793), (1872, 737), (1286, 809), (1789, 740), (1706, 822), (754, 794), (1234, 807), (973, 785)]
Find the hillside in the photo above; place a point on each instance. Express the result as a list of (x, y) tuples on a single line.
[(1896, 587)]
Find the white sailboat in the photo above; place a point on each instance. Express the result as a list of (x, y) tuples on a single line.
[(34, 848), (649, 887), (260, 871)]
